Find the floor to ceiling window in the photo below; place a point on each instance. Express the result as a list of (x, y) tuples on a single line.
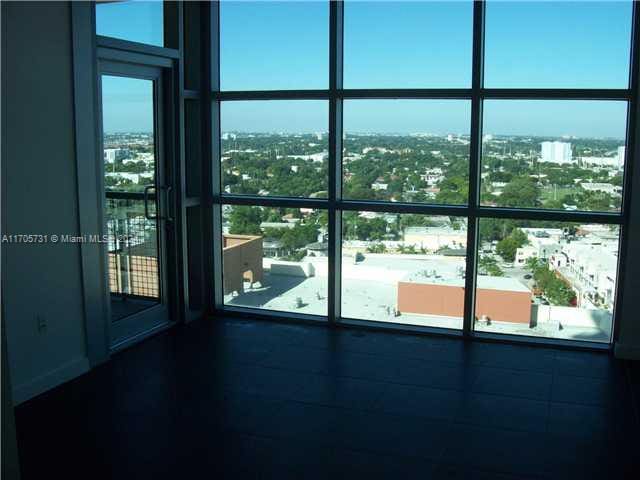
[(454, 165)]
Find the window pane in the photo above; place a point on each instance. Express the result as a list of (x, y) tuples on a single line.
[(403, 268), (275, 147), (565, 154), (275, 258), (406, 150), (137, 21), (407, 44), (130, 166), (128, 136), (274, 45), (547, 279), (557, 44)]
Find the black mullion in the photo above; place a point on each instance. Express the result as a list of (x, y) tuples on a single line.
[(555, 93), (407, 93), (612, 218), (429, 93), (475, 153), (212, 213), (336, 29), (401, 207), (239, 95), (265, 201)]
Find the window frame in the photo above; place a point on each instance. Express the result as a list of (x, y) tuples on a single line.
[(473, 211)]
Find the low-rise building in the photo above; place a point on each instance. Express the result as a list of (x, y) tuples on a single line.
[(432, 176), (542, 243), (500, 299), (601, 187), (317, 249), (609, 162), (379, 184), (314, 157), (241, 261), (589, 266), (435, 238)]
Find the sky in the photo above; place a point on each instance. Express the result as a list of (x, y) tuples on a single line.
[(284, 45), (127, 105)]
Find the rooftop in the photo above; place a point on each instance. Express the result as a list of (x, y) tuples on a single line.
[(483, 281)]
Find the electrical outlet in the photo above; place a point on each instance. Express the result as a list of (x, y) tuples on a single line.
[(41, 323)]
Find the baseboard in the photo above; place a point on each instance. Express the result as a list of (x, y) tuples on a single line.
[(628, 352), (57, 376)]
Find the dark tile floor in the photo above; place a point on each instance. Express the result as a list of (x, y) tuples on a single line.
[(247, 399)]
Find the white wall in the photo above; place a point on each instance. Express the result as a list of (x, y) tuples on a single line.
[(572, 317), (39, 196)]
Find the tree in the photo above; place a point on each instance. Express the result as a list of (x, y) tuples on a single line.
[(453, 191), (520, 192), (508, 246), (365, 229), (245, 220), (555, 289), (495, 229), (409, 250), (299, 236), (413, 220), (617, 180), (377, 248), (489, 266), (519, 236), (533, 263)]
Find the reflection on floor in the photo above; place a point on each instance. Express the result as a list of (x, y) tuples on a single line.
[(122, 306), (246, 399)]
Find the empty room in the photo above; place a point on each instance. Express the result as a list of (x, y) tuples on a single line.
[(320, 239)]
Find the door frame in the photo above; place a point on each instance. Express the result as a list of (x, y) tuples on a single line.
[(129, 329), (87, 50)]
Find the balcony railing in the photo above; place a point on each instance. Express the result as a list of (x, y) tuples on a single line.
[(133, 247)]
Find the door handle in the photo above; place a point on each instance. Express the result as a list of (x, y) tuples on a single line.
[(169, 203), (146, 203)]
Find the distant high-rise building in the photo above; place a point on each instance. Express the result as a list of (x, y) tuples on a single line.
[(113, 155), (556, 152)]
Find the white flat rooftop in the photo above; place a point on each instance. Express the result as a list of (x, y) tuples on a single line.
[(484, 281), (369, 292)]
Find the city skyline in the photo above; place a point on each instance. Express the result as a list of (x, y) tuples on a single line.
[(375, 133)]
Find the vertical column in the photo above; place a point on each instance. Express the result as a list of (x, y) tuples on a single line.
[(196, 150), (177, 278), (213, 221), (475, 152), (336, 28)]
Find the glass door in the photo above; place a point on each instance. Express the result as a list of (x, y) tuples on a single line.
[(137, 197)]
